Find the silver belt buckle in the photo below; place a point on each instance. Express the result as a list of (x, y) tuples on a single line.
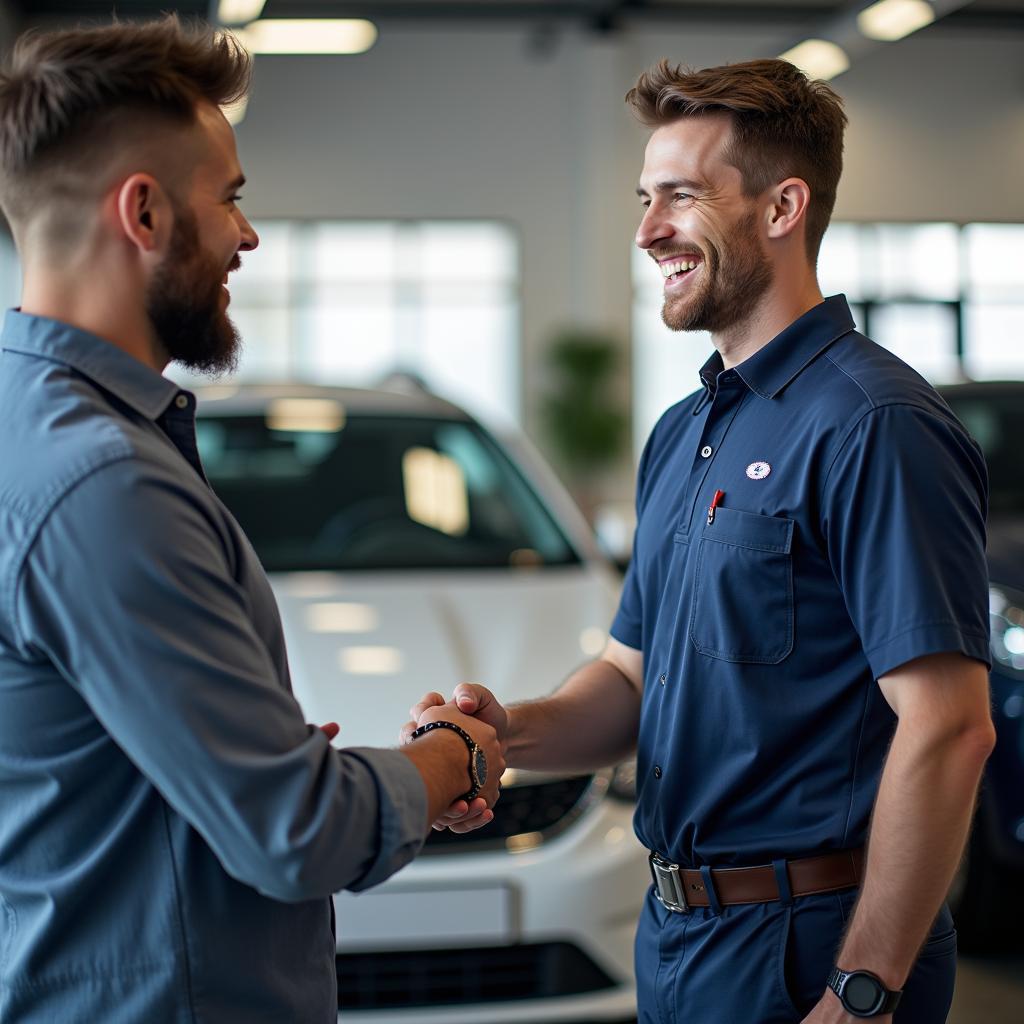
[(668, 886)]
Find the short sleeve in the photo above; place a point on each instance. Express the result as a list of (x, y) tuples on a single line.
[(903, 516)]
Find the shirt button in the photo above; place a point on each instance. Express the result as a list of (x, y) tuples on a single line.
[(181, 402), (706, 451), (657, 771), (662, 680)]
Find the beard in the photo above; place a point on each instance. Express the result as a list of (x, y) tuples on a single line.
[(184, 304), (734, 279)]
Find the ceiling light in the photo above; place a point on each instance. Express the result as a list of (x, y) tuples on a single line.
[(889, 20), (818, 58), (311, 35), (239, 12)]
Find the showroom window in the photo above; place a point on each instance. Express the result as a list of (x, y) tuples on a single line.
[(947, 299), (348, 302)]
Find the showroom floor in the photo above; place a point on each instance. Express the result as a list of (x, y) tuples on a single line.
[(989, 990)]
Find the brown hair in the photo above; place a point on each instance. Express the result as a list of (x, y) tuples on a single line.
[(70, 99), (783, 125)]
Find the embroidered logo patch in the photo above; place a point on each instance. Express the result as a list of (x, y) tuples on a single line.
[(758, 470)]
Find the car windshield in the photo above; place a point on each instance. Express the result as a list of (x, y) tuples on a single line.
[(996, 422), (376, 492)]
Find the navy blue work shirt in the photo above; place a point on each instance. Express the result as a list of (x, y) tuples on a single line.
[(171, 829), (849, 540)]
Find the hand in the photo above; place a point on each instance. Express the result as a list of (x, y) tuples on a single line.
[(471, 699), (331, 729), (829, 1010), (460, 816), (476, 700), (428, 700)]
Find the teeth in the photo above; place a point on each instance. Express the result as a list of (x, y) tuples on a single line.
[(668, 269)]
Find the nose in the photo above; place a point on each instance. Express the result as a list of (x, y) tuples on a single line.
[(249, 237), (654, 227)]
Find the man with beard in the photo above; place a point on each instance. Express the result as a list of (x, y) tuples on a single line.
[(172, 830), (802, 640)]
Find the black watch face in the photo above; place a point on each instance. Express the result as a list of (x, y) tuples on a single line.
[(861, 993), (480, 762)]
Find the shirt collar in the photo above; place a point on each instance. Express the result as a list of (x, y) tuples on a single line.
[(775, 366), (113, 369)]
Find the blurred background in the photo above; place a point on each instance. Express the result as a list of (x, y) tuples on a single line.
[(450, 195)]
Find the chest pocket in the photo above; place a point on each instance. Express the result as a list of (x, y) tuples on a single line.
[(743, 589)]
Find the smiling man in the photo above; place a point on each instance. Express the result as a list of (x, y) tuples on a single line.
[(801, 647), (171, 828)]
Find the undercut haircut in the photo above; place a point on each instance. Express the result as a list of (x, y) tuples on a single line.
[(783, 125), (72, 100)]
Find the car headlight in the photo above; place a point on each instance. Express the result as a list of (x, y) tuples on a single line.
[(1006, 614), (623, 782)]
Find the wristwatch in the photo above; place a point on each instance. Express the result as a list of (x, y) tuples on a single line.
[(477, 757), (862, 993)]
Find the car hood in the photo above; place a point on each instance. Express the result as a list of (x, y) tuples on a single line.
[(1006, 551), (364, 647)]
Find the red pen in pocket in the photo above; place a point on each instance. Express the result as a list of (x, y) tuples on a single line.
[(715, 502)]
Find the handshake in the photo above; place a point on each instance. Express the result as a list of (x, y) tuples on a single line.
[(474, 709)]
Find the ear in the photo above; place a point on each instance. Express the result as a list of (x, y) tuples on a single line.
[(789, 200), (144, 213)]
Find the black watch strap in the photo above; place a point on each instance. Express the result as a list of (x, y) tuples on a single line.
[(477, 759), (862, 993)]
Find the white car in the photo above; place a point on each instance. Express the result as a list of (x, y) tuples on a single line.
[(410, 551)]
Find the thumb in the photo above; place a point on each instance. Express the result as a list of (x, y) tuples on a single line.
[(467, 699)]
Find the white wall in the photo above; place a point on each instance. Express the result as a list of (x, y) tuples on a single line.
[(438, 121)]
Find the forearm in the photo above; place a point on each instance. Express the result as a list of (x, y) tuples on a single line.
[(591, 721), (921, 820)]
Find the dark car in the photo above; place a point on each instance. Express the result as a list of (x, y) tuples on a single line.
[(988, 894)]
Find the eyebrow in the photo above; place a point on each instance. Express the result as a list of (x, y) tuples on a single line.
[(671, 186), (236, 184)]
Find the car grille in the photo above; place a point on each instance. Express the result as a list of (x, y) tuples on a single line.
[(538, 809), (447, 977)]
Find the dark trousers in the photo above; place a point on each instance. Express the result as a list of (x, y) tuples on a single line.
[(767, 963)]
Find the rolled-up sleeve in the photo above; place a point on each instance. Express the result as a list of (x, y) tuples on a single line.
[(128, 589)]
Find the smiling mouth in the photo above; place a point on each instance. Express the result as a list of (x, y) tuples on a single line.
[(674, 270)]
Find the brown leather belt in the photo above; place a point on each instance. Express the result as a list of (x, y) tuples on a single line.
[(679, 889)]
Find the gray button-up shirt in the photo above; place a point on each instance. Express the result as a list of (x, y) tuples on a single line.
[(170, 828)]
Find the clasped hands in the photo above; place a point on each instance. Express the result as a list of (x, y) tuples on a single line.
[(475, 709)]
